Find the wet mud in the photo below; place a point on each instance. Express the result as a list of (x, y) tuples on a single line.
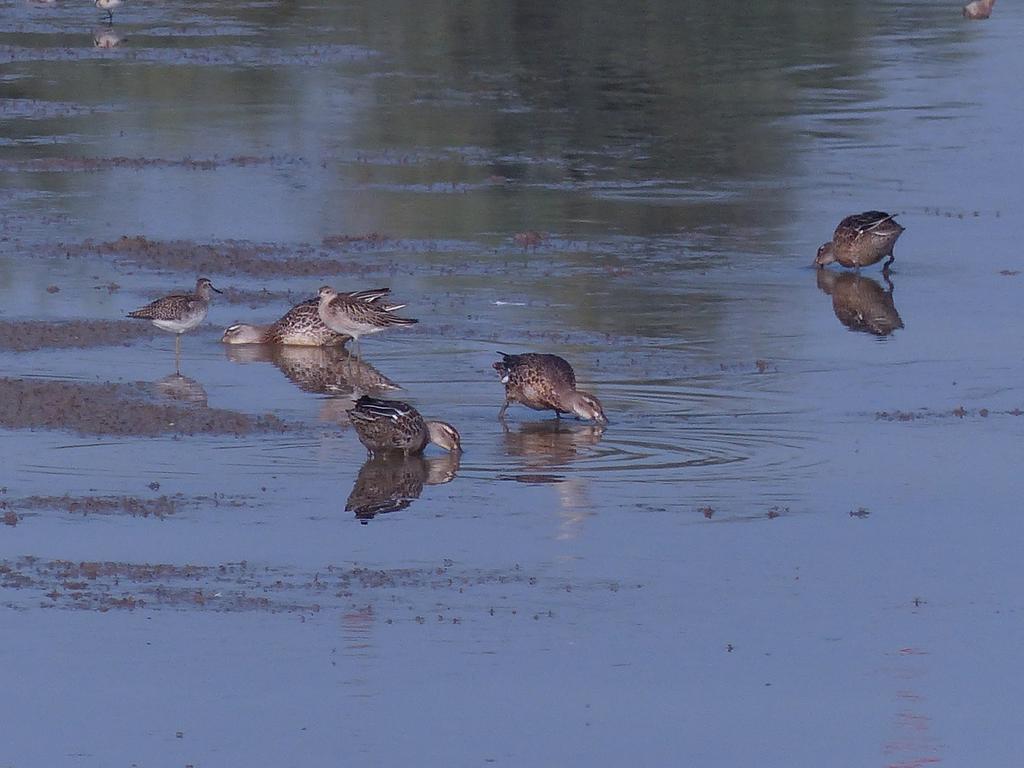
[(956, 413), (445, 590), (227, 56), (25, 336), (96, 164), (116, 409), (132, 506), (252, 259)]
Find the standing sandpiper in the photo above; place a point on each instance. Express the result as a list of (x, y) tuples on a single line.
[(178, 313), (353, 315)]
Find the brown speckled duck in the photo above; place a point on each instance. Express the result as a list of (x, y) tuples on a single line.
[(391, 426), (979, 9), (861, 240), (301, 326), (545, 383)]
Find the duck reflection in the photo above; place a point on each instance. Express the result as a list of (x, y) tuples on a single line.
[(320, 370), (860, 302), (181, 389), (549, 444), (390, 482), (106, 38), (546, 446)]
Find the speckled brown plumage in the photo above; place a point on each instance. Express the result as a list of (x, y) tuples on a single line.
[(352, 314), (861, 240), (860, 303), (386, 426), (300, 326), (978, 9), (178, 312), (545, 382)]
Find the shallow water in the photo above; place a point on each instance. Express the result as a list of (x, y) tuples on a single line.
[(800, 520)]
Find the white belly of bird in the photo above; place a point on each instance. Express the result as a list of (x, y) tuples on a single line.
[(179, 326)]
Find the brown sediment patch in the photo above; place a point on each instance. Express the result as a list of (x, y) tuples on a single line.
[(36, 109), (235, 256), (201, 55), (23, 336), (959, 412), (116, 409), (345, 241), (94, 164), (134, 506), (240, 586)]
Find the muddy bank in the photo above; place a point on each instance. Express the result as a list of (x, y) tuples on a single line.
[(116, 409), (253, 259), (221, 56), (240, 586), (133, 506), (95, 164), (24, 336), (959, 413)]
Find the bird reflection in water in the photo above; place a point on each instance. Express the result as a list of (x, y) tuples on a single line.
[(549, 444), (860, 302), (320, 370), (390, 482), (181, 389), (106, 38), (544, 447)]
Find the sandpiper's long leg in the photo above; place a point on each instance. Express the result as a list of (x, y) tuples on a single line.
[(888, 282), (501, 413), (177, 353)]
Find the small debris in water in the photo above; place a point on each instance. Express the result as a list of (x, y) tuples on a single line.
[(860, 512)]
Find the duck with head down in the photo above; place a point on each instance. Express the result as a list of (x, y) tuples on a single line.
[(545, 383), (978, 9), (861, 240), (391, 426), (300, 326)]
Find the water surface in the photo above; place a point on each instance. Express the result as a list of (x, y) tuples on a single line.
[(800, 520)]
